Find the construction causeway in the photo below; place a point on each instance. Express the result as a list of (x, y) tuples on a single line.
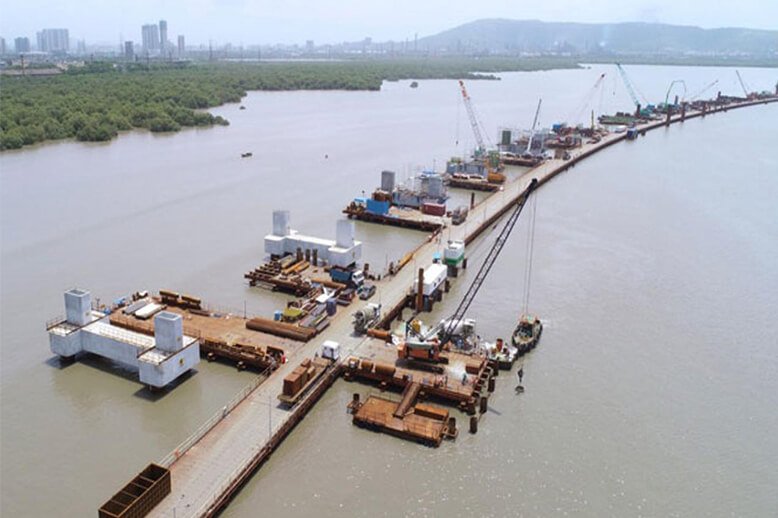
[(208, 468)]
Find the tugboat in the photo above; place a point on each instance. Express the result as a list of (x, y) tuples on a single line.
[(527, 333)]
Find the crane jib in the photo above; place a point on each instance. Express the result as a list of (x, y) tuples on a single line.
[(486, 266)]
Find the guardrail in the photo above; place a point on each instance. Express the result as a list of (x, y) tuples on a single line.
[(215, 419), (54, 322)]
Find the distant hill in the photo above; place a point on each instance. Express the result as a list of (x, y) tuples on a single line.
[(516, 36)]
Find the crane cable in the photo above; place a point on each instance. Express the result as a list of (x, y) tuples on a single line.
[(530, 249)]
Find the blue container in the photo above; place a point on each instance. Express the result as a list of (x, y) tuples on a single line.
[(377, 207), (332, 306), (277, 315)]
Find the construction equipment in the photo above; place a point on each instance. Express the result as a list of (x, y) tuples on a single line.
[(705, 89), (586, 101), (479, 140), (366, 318), (742, 83), (528, 152), (670, 88), (421, 344), (632, 93), (424, 351), (491, 257), (491, 159)]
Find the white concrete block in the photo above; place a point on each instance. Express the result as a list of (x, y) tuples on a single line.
[(281, 221), (68, 345), (78, 306), (169, 331), (160, 374), (344, 237)]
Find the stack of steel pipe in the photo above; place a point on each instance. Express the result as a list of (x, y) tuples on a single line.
[(282, 329)]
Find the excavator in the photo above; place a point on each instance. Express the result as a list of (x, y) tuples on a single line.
[(421, 348)]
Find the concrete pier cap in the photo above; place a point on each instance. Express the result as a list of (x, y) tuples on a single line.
[(169, 331), (281, 224), (344, 233), (78, 306)]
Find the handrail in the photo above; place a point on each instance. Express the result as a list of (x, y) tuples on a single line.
[(215, 419)]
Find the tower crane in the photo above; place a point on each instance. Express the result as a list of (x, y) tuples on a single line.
[(705, 89), (446, 333)]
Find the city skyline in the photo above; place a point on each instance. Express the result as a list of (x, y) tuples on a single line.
[(252, 22)]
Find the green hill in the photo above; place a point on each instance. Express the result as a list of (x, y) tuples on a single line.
[(515, 36)]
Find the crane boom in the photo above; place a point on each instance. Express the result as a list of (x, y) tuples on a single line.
[(534, 124), (486, 266), (705, 89), (628, 84), (670, 88), (742, 84), (479, 140)]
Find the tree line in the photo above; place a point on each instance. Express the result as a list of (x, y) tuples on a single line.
[(95, 102)]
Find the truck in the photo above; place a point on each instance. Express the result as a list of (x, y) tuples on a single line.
[(434, 277), (352, 278), (366, 318), (454, 252)]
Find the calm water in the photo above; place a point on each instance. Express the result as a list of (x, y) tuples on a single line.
[(655, 388)]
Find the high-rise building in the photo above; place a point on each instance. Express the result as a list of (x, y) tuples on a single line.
[(129, 50), (53, 40), (309, 46), (2, 45), (150, 34), (163, 43), (22, 44), (181, 46)]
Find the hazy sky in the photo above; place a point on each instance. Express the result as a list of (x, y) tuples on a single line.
[(331, 21)]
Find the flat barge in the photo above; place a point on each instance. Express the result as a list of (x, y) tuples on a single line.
[(408, 218), (473, 184)]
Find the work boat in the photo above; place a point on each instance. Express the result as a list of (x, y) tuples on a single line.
[(527, 333), (505, 355)]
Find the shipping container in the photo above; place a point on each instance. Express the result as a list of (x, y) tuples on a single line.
[(377, 207), (434, 209)]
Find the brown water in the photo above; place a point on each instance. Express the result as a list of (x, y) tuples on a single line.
[(654, 390)]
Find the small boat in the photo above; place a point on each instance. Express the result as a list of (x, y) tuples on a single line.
[(415, 84), (505, 355), (242, 107), (246, 155), (527, 333)]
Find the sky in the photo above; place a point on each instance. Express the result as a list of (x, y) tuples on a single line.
[(332, 21)]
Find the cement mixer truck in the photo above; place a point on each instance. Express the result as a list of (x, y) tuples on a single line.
[(366, 318)]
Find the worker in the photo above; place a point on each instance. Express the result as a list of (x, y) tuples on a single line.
[(464, 378), (520, 373)]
